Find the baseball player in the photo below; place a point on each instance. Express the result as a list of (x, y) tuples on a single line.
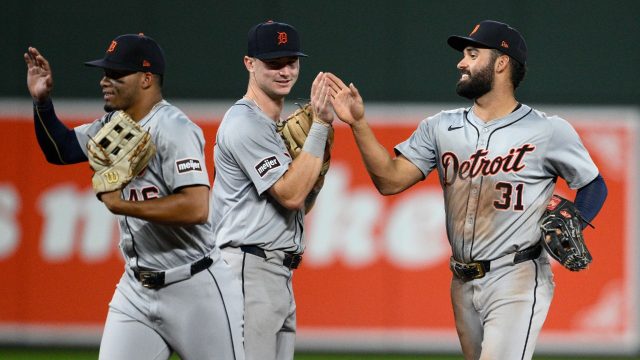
[(176, 293), (260, 195), (497, 162)]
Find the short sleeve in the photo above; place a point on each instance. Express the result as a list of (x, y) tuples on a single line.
[(257, 149), (420, 147), (181, 145), (567, 157)]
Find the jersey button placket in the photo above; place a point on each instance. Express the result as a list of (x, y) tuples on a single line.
[(469, 225), (482, 140), (472, 204)]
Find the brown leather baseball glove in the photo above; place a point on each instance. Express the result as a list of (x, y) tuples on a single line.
[(118, 152)]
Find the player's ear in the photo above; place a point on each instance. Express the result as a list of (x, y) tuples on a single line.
[(502, 63), (147, 80), (249, 63)]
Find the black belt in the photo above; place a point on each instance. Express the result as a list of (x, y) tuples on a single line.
[(152, 279), (290, 260), (478, 269)]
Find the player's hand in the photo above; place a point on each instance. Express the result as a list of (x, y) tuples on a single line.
[(320, 99), (39, 78), (346, 100)]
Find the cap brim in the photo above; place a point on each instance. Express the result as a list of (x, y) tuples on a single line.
[(103, 64), (461, 42), (280, 54)]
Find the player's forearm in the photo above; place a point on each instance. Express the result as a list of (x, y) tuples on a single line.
[(189, 206), (292, 189), (376, 158), (590, 198), (58, 143), (294, 186)]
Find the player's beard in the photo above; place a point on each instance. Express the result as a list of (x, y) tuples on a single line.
[(477, 85)]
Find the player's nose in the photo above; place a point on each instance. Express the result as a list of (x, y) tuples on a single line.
[(462, 64), (105, 81)]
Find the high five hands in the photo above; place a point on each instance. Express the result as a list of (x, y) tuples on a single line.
[(329, 92), (321, 98), (346, 100), (39, 77)]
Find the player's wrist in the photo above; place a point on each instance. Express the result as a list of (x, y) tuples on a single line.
[(322, 122), (42, 103), (324, 118), (316, 139), (358, 124)]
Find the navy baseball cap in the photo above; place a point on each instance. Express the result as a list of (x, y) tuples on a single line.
[(493, 35), (271, 40), (133, 52)]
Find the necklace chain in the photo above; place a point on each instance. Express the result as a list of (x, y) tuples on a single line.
[(254, 102), (258, 106)]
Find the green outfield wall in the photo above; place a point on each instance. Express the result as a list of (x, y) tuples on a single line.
[(581, 52)]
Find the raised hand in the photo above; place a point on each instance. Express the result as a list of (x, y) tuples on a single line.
[(39, 77), (346, 100), (320, 99)]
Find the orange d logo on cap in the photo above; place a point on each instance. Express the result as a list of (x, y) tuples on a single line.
[(112, 47), (282, 38)]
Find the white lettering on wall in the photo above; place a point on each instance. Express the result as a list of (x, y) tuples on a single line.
[(355, 225), (341, 223), (100, 229), (9, 229), (352, 225), (415, 235), (75, 221)]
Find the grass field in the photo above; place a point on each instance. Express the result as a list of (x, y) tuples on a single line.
[(86, 354)]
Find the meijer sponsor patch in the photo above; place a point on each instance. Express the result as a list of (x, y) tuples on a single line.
[(267, 164), (187, 165)]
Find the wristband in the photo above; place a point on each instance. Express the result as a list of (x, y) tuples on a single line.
[(316, 140), (325, 124)]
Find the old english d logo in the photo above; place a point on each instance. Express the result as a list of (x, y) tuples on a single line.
[(475, 29), (111, 177), (112, 47), (282, 38)]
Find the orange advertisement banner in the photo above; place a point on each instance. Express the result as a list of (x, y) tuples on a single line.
[(372, 263)]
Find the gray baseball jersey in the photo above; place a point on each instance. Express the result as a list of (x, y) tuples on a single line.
[(250, 157), (199, 317), (497, 178), (179, 162)]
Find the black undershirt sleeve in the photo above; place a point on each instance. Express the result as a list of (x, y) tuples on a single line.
[(590, 198), (59, 144)]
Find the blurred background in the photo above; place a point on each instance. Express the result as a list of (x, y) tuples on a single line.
[(374, 282), (580, 52)]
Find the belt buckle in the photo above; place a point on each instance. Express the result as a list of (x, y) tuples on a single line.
[(480, 269), (149, 279), (469, 271)]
